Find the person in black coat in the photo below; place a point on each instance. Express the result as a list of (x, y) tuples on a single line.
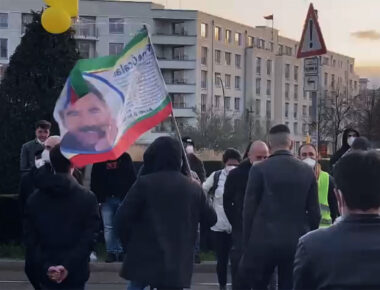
[(60, 228), (158, 220), (280, 205), (347, 254), (110, 181), (233, 198), (195, 163), (348, 138)]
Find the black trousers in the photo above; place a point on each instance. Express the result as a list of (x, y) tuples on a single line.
[(222, 247), (264, 277)]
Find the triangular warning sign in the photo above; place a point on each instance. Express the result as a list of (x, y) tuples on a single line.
[(312, 42)]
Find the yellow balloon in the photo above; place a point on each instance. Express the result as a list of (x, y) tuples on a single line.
[(55, 20), (51, 2), (70, 6)]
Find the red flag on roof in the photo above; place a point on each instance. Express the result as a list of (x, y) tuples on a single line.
[(269, 17)]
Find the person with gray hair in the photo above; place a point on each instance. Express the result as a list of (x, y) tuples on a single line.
[(280, 205)]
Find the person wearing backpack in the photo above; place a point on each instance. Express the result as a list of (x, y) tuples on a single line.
[(221, 231)]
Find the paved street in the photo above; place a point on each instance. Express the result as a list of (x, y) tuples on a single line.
[(201, 281), (103, 276)]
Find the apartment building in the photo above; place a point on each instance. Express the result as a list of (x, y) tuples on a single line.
[(208, 63)]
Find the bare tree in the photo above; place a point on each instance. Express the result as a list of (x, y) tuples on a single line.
[(367, 115), (216, 132), (336, 112)]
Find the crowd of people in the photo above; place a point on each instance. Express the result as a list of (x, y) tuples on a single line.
[(279, 219)]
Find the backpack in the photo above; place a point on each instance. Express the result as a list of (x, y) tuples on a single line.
[(212, 190)]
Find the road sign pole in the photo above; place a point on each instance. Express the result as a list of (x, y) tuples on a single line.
[(317, 103)]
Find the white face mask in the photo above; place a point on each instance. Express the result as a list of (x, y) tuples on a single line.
[(311, 162), (351, 140), (229, 168), (45, 156), (189, 149)]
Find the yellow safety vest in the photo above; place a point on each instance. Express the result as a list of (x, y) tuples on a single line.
[(323, 191)]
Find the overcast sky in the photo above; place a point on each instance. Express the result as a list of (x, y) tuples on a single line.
[(350, 27)]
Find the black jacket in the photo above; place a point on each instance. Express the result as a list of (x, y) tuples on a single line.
[(280, 205), (345, 147), (197, 166), (343, 256), (28, 154), (233, 198), (158, 220), (113, 177), (331, 199), (61, 224)]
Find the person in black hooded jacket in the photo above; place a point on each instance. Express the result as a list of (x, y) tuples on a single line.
[(348, 138), (61, 225), (158, 219)]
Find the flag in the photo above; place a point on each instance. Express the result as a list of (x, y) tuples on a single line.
[(108, 102), (269, 17)]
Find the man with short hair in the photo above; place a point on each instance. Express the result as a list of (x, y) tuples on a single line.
[(61, 224), (327, 200), (280, 205), (29, 149), (347, 254), (221, 231), (233, 198)]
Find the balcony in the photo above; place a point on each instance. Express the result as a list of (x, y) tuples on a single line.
[(88, 34), (185, 112), (180, 86), (176, 63), (174, 39)]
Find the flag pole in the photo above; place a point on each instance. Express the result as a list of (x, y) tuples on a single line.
[(272, 27), (187, 164)]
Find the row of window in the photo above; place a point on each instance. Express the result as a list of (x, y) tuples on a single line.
[(295, 110), (330, 61), (87, 23), (218, 81), (217, 103), (236, 38), (218, 57), (333, 84), (295, 72), (218, 34)]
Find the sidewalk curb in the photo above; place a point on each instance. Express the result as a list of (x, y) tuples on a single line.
[(18, 266)]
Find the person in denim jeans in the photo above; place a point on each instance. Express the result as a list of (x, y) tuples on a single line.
[(110, 181)]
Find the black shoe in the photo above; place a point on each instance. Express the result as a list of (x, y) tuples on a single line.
[(197, 259), (223, 287), (120, 257), (111, 258)]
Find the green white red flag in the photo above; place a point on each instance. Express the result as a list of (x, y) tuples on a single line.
[(108, 102)]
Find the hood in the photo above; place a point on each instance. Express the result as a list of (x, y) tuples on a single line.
[(345, 137), (162, 155), (55, 184)]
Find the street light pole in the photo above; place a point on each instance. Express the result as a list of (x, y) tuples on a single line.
[(224, 107)]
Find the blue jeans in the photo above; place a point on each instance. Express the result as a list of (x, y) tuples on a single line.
[(109, 208), (133, 285)]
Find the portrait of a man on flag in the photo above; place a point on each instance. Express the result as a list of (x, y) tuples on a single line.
[(108, 102)]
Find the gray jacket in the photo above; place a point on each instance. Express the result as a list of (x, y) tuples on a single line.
[(28, 152), (281, 205)]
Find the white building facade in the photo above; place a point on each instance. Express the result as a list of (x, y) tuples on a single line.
[(208, 63)]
